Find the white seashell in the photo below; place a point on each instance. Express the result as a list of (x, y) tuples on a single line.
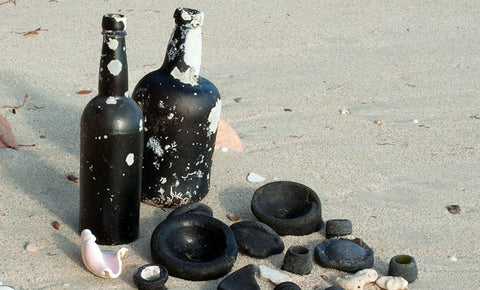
[(357, 280), (392, 283), (102, 264), (253, 177), (274, 276)]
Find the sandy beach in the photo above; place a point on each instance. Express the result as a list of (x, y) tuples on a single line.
[(375, 105)]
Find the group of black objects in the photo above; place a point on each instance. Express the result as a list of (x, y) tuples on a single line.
[(192, 244)]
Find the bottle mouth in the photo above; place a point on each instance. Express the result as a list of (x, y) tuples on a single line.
[(188, 17), (114, 22)]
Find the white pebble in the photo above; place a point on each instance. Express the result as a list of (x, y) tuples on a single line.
[(224, 149), (415, 121), (130, 159), (274, 276), (344, 111), (357, 280), (253, 177), (452, 258), (392, 283), (31, 248)]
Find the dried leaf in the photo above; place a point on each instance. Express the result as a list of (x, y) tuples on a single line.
[(9, 1), (410, 85), (84, 92), (34, 32), (56, 225), (227, 137), (18, 107), (232, 217), (7, 139), (73, 178)]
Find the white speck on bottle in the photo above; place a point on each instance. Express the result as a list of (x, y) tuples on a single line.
[(111, 101), (130, 159), (115, 67)]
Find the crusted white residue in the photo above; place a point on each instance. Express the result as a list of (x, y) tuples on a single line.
[(193, 49), (114, 67), (130, 159), (172, 53), (187, 77), (140, 125), (154, 144), (214, 118), (161, 105), (112, 43), (163, 180), (170, 116), (111, 101)]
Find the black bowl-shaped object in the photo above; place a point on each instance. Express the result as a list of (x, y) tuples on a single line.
[(338, 227), (344, 255), (194, 247), (289, 208), (151, 277), (194, 207), (403, 266)]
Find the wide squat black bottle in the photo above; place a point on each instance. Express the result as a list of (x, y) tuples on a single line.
[(111, 147), (181, 113)]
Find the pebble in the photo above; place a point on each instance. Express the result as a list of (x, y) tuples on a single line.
[(31, 248), (344, 111), (73, 178), (452, 259), (257, 239), (344, 255), (56, 225), (224, 149), (453, 209), (392, 283), (415, 121), (253, 177), (358, 280), (274, 276), (241, 279), (232, 217)]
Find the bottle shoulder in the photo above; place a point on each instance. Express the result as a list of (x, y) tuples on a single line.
[(162, 83), (117, 115)]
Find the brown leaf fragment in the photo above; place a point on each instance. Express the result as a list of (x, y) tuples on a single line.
[(73, 178), (9, 1), (410, 85), (3, 214), (84, 92), (7, 139), (18, 107), (56, 225), (34, 32), (227, 137)]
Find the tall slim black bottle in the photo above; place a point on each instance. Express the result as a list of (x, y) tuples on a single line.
[(181, 111), (111, 147)]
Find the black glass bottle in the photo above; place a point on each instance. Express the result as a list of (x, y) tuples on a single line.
[(111, 147), (181, 113)]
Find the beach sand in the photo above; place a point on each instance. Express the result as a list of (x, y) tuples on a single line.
[(373, 104)]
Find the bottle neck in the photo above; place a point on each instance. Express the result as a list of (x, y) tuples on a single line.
[(113, 75), (184, 53)]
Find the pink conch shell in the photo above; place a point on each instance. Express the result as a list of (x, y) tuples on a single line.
[(228, 138), (102, 264)]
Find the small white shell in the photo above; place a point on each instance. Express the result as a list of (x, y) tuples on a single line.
[(357, 280), (392, 283), (102, 264), (276, 277)]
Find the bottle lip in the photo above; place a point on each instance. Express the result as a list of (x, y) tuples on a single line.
[(114, 23), (188, 17)]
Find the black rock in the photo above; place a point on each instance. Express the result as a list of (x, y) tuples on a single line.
[(403, 266), (242, 279), (194, 207), (298, 260), (287, 286), (256, 239), (290, 208), (194, 247), (338, 227), (151, 277), (344, 255), (334, 287)]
